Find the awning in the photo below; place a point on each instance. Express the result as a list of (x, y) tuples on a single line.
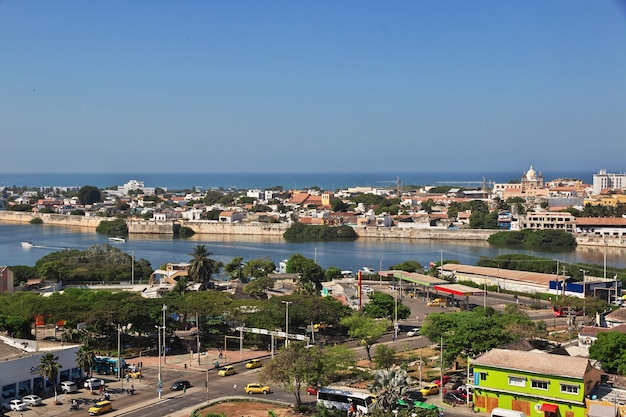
[(550, 408), (599, 410)]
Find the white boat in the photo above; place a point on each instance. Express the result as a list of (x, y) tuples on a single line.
[(117, 239), (27, 244)]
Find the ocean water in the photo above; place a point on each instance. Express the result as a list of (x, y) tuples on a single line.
[(263, 180)]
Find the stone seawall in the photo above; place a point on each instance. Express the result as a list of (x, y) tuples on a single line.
[(52, 219), (277, 229), (209, 228), (422, 233)]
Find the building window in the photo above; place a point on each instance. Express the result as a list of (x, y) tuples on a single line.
[(569, 389), (535, 383), (483, 376), (517, 381)]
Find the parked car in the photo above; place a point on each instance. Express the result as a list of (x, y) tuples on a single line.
[(180, 385), (446, 379), (257, 389), (254, 363), (453, 397), (311, 390), (100, 408), (32, 400), (15, 405), (68, 387), (414, 395), (436, 302), (466, 391), (431, 389), (413, 332), (93, 383), (226, 370)]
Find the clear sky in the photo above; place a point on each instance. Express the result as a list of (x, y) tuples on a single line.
[(344, 85)]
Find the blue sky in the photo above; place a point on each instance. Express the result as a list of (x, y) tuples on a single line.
[(273, 86)]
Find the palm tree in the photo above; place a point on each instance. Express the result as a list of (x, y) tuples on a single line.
[(49, 369), (389, 386), (202, 267), (86, 360)]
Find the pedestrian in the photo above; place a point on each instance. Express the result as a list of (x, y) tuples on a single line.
[(441, 412), (417, 317), (127, 378)]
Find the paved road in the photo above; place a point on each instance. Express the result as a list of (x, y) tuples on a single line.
[(146, 401)]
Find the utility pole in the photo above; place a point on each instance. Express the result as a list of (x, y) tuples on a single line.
[(164, 310), (198, 338), (286, 303)]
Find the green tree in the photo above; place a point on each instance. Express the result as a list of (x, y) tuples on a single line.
[(383, 305), (16, 326), (89, 194), (85, 360), (389, 386), (408, 266), (385, 356), (201, 267), (49, 369), (294, 367), (610, 350), (258, 268), (235, 268), (258, 287), (311, 274), (365, 329)]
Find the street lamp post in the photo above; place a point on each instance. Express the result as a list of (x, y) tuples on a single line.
[(160, 381), (584, 291), (286, 303), (164, 310)]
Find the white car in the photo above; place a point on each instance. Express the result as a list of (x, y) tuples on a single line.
[(32, 400), (15, 405), (93, 383), (413, 332)]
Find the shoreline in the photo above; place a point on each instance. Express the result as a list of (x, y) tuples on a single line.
[(145, 227)]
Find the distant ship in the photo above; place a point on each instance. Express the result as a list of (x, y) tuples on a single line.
[(117, 239), (27, 245)]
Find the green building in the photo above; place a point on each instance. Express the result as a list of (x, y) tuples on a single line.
[(537, 384)]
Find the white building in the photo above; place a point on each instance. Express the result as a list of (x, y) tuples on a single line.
[(19, 372), (604, 181)]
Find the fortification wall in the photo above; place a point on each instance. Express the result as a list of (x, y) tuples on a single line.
[(208, 227), (151, 227), (277, 229), (52, 219), (423, 233)]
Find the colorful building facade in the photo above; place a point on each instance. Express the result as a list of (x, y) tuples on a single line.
[(537, 384)]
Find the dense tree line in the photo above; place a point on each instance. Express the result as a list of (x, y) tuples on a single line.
[(103, 263), (299, 232), (534, 239), (117, 227), (470, 333)]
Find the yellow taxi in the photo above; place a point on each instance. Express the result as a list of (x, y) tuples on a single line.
[(257, 389), (436, 302), (254, 363), (431, 389), (133, 374), (226, 370), (100, 408)]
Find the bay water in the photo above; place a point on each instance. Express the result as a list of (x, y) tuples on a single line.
[(375, 253)]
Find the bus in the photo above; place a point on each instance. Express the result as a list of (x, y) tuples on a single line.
[(340, 399), (105, 365)]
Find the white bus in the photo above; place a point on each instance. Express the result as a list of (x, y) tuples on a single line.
[(503, 412), (340, 399)]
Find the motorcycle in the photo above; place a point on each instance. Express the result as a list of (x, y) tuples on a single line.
[(74, 406)]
